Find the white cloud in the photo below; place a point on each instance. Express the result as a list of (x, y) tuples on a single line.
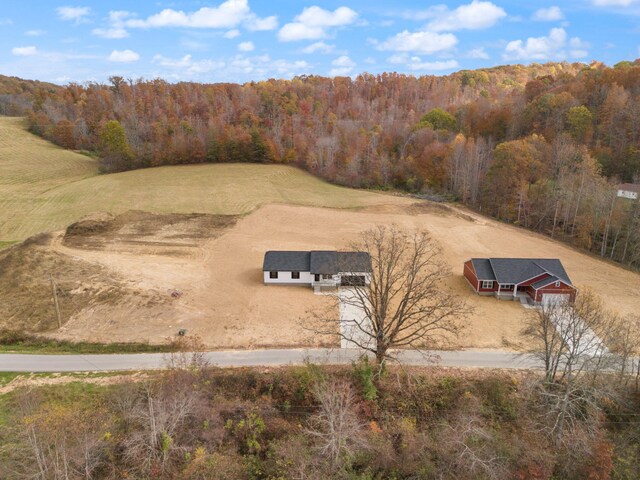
[(343, 61), (478, 53), (77, 14), (232, 69), (614, 3), (319, 47), (254, 23), (342, 65), (231, 33), (123, 56), (417, 64), (116, 28), (313, 23), (6, 21), (419, 42), (578, 48), (398, 58), (246, 47), (550, 14), (473, 16), (228, 14), (24, 51), (34, 33), (551, 47), (112, 33), (187, 65)]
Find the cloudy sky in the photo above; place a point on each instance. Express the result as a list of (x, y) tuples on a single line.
[(243, 40)]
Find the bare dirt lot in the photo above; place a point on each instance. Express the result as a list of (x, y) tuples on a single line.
[(212, 284)]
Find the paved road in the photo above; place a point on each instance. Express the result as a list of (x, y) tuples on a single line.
[(239, 358)]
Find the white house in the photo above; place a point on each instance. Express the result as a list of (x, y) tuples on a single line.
[(629, 190), (318, 268)]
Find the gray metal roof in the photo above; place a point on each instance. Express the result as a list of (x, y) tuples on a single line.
[(483, 269), (327, 262), (287, 261)]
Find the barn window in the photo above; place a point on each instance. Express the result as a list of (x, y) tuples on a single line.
[(557, 284), (273, 274), (295, 275), (487, 284), (506, 286)]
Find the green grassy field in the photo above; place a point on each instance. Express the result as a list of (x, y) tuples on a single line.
[(44, 187)]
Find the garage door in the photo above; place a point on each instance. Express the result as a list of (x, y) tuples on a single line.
[(554, 298), (352, 281)]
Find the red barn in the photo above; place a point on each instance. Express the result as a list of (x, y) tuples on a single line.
[(536, 280)]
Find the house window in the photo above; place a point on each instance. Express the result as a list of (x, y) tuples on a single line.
[(557, 284), (486, 284), (327, 277), (317, 277), (506, 286), (273, 274), (295, 275)]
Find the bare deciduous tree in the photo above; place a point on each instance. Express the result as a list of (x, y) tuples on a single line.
[(189, 354), (406, 303), (336, 427), (571, 340), (473, 449), (156, 416)]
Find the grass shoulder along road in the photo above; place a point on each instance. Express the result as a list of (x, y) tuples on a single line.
[(18, 342)]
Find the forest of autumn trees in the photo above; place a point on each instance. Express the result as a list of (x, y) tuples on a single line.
[(541, 146)]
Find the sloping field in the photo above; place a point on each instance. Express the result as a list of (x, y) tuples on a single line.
[(30, 170), (43, 187), (224, 301), (145, 277)]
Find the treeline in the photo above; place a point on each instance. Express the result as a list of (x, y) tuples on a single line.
[(311, 422), (541, 146)]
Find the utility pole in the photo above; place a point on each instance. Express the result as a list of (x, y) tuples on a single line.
[(54, 290)]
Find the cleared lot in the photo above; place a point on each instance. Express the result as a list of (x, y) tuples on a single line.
[(225, 302)]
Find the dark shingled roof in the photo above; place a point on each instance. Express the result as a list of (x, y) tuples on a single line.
[(288, 261), (324, 262), (327, 262), (483, 269), (354, 262), (545, 281), (518, 270)]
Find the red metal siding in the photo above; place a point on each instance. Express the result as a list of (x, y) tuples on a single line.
[(470, 274)]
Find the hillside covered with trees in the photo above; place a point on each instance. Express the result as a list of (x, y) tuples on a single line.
[(312, 422), (540, 146)]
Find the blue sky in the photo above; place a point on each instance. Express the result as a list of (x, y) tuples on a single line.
[(243, 40)]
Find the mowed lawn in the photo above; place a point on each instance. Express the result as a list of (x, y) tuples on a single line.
[(44, 187)]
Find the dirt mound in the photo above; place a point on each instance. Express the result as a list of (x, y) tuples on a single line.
[(29, 273), (93, 224), (145, 233)]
